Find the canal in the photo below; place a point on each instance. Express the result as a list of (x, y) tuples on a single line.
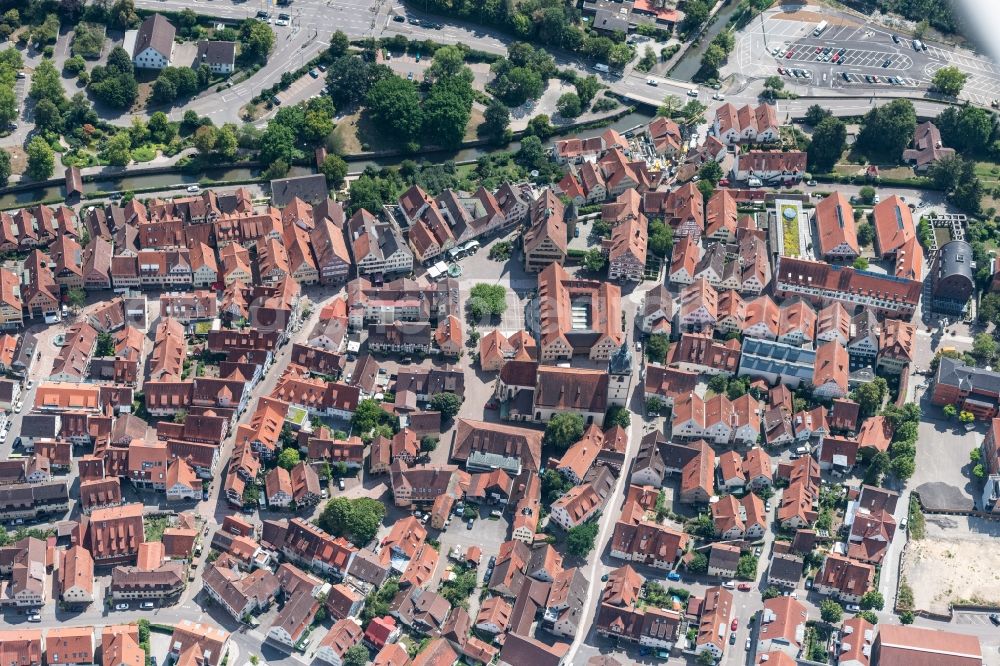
[(690, 62), (171, 180)]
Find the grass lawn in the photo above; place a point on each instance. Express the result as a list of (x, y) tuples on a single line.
[(296, 415), (154, 528), (144, 154), (475, 120)]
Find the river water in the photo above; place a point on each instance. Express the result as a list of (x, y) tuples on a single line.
[(169, 180), (690, 62)]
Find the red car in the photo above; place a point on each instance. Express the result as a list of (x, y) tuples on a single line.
[(735, 625), (742, 587), (724, 182), (788, 55), (781, 70)]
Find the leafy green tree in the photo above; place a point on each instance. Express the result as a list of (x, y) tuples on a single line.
[(871, 395), (349, 79), (563, 430), (587, 88), (340, 44), (828, 143), (698, 563), (356, 655), (830, 611), (580, 540), (949, 81), (226, 141), (554, 485), (866, 234), (950, 411), (771, 593), (540, 126), (288, 458), (335, 169), (448, 61), (277, 143), (115, 84), (816, 113), (446, 403), (4, 167), (888, 129), (868, 616), (487, 300), (906, 617), (46, 84), (967, 129), (41, 161), (661, 238), (496, 122), (867, 194), (617, 416), (569, 105), (657, 347), (695, 14), (205, 138), (48, 118), (746, 567), (872, 599), (966, 417), (518, 85), (713, 58), (903, 467), (8, 104), (447, 110), (594, 260), (985, 348), (256, 41), (877, 467), (711, 172), (395, 103)]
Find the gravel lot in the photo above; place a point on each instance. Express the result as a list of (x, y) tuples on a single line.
[(957, 560)]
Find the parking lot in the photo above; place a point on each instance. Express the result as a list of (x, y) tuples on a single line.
[(850, 54)]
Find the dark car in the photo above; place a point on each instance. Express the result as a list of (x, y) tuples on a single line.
[(995, 619), (469, 524), (886, 62), (895, 38), (414, 21), (17, 442), (398, 19), (263, 14)]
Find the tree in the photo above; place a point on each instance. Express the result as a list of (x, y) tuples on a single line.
[(487, 300), (866, 234), (830, 611), (448, 61), (661, 238), (966, 417), (815, 114), (4, 167), (356, 655), (877, 467), (563, 430), (867, 194), (706, 658), (496, 122), (205, 138), (828, 143), (771, 593), (746, 567), (256, 41), (872, 599), (357, 519), (906, 617), (115, 84), (888, 129), (46, 84), (587, 88), (698, 563), (594, 260), (447, 109), (946, 172), (368, 415), (949, 81), (428, 443), (226, 141), (712, 59), (657, 347), (446, 403), (969, 129), (985, 348), (711, 172), (335, 169), (540, 126), (8, 104), (288, 458), (569, 105), (772, 86), (277, 143), (868, 616), (517, 85), (693, 112), (395, 103), (340, 44), (903, 467), (871, 395), (695, 14), (349, 80), (41, 161), (617, 416), (580, 539), (950, 411)]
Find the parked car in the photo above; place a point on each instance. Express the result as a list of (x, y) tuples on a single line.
[(469, 524), (730, 585), (193, 188), (732, 638), (995, 619), (744, 587), (673, 575), (692, 93), (34, 617), (398, 19), (809, 583), (147, 605), (852, 608), (121, 606), (340, 484), (651, 82)]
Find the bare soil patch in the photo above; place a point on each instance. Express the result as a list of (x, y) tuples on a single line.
[(947, 569)]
